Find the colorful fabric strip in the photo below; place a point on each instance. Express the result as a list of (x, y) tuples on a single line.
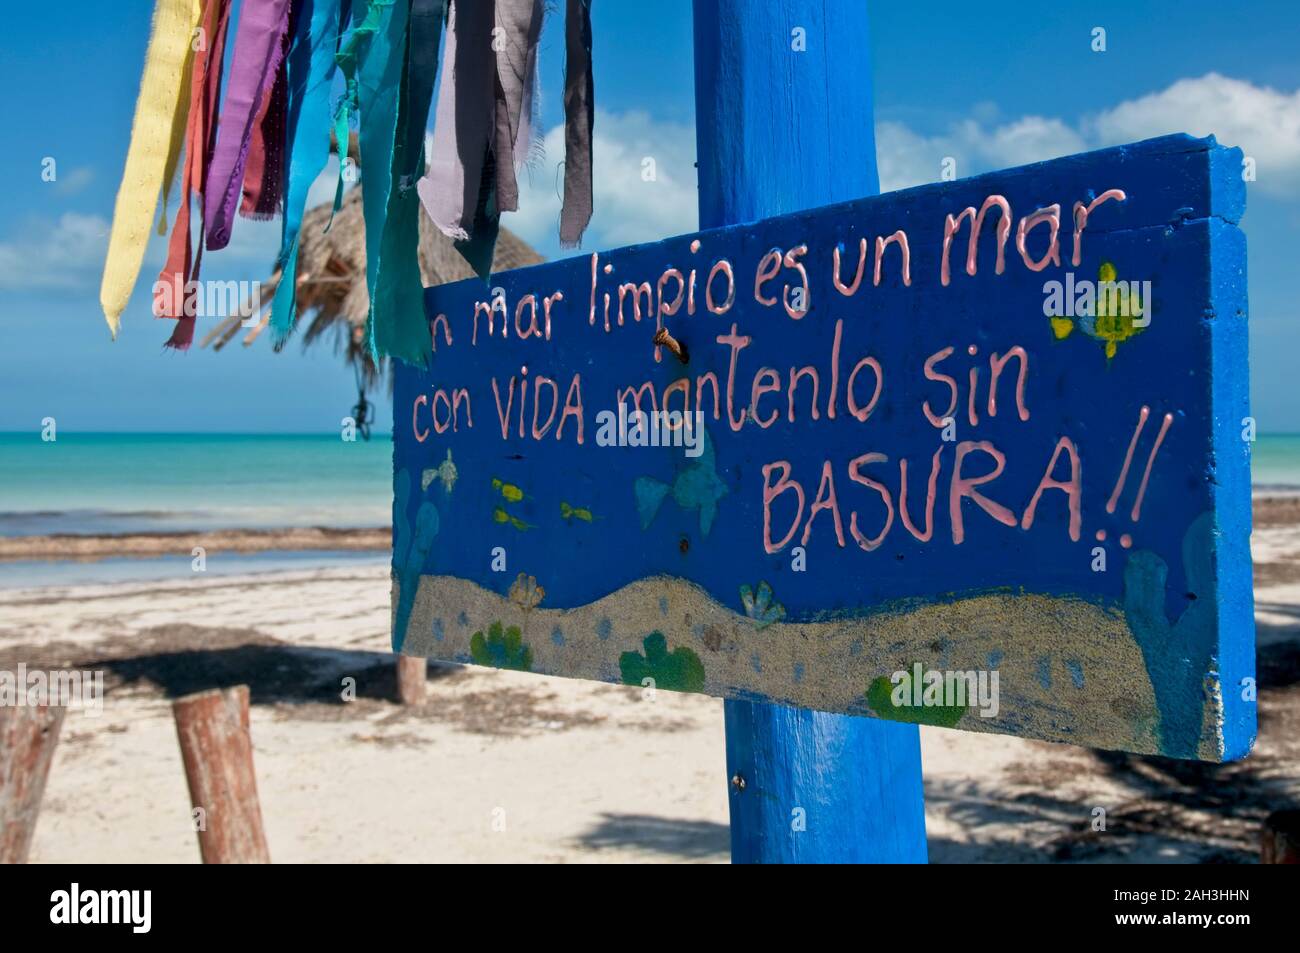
[(264, 171), (258, 48), (162, 88), (365, 17), (579, 119), (484, 117), (427, 19), (374, 66), (310, 75), (463, 125), (182, 264), (176, 142), (520, 26), (397, 300)]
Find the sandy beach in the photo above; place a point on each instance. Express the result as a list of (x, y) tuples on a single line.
[(578, 771)]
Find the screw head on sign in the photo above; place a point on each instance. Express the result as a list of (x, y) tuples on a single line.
[(664, 339), (738, 782)]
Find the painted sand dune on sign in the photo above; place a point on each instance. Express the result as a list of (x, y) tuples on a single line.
[(1052, 655)]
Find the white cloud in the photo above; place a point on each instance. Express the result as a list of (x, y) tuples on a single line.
[(322, 190), (254, 244), (74, 181), (1032, 139), (627, 208), (1264, 122), (907, 158), (68, 252), (65, 253)]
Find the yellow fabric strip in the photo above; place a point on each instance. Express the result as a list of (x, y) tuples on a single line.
[(180, 122), (166, 70)]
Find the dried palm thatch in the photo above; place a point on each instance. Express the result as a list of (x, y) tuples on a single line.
[(332, 298)]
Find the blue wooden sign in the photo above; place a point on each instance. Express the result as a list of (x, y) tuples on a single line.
[(969, 454)]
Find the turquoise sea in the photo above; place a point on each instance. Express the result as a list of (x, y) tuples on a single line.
[(1275, 465), (125, 483)]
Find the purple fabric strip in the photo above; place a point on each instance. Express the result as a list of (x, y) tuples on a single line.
[(258, 49)]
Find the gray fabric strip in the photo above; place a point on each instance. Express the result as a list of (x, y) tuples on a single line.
[(579, 118), (464, 123), (520, 26)]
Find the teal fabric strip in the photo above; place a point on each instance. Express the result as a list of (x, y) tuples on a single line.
[(381, 69), (399, 327), (427, 20), (310, 71), (365, 17)]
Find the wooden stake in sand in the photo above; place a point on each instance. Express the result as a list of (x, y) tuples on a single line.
[(218, 753), (28, 736), (411, 675)]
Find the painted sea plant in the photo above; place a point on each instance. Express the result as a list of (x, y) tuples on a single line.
[(501, 648), (761, 605), (678, 671), (881, 699)]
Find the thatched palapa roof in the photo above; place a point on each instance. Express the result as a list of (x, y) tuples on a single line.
[(332, 295)]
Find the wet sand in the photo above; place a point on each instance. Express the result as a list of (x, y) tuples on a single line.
[(24, 548)]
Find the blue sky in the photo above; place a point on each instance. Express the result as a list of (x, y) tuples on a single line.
[(992, 85)]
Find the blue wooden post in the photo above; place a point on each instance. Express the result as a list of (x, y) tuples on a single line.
[(784, 122)]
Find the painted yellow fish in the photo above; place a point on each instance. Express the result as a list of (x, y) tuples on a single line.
[(501, 516), (1116, 312), (509, 492), (575, 512), (1114, 322)]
